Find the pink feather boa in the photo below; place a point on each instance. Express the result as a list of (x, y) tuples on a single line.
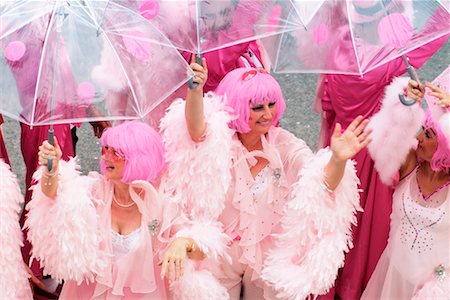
[(316, 232), (191, 166), (64, 231), (394, 130), (13, 275)]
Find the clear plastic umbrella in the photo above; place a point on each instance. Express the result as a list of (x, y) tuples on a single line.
[(201, 26), (354, 36), (57, 61)]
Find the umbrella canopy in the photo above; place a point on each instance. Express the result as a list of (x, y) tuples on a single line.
[(355, 37), (201, 26), (57, 60)]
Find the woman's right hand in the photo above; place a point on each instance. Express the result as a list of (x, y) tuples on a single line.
[(415, 90), (201, 74), (47, 150)]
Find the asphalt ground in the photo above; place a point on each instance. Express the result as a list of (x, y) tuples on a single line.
[(299, 118)]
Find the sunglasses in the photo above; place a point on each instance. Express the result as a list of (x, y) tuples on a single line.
[(110, 154), (252, 73)]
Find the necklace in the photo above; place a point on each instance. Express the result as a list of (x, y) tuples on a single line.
[(123, 205)]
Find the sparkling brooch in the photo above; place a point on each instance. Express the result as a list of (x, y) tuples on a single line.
[(153, 227), (276, 175), (439, 272)]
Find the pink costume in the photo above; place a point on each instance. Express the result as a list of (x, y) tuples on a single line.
[(416, 261), (123, 266), (249, 209), (343, 97), (13, 277), (25, 72)]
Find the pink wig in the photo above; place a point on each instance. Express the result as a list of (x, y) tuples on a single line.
[(241, 92), (141, 146), (441, 158)]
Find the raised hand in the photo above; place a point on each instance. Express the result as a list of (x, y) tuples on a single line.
[(345, 145), (443, 97), (201, 74), (415, 90)]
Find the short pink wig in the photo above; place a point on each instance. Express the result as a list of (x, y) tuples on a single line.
[(441, 158), (141, 146), (242, 94)]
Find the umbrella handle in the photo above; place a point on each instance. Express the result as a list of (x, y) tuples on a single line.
[(191, 83), (404, 101), (51, 134), (413, 76)]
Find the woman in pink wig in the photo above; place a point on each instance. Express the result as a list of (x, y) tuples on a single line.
[(101, 233), (340, 98), (266, 181), (415, 263)]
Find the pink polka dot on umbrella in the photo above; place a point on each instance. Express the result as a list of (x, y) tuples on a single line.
[(14, 51), (85, 91), (395, 30), (149, 9), (136, 45), (321, 34)]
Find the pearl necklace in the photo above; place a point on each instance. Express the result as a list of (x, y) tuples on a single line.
[(123, 205)]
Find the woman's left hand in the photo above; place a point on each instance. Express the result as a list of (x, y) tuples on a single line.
[(345, 145), (174, 258)]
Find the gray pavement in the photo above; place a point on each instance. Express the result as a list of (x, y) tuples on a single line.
[(299, 118)]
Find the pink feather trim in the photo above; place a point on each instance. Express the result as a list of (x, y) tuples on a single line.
[(191, 166), (394, 130), (208, 235), (64, 231), (316, 232), (195, 285), (13, 275)]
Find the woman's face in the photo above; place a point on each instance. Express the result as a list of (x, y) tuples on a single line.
[(428, 144), (114, 163), (261, 117)]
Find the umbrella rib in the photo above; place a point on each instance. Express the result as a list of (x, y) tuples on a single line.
[(44, 48), (20, 25), (443, 6), (353, 37)]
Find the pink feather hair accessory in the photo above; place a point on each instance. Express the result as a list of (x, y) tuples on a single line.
[(15, 50)]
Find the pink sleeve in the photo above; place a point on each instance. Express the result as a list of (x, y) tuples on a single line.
[(13, 278), (190, 167), (64, 231), (394, 127), (316, 232)]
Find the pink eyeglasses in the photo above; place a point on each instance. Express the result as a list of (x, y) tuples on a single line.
[(252, 72), (110, 154)]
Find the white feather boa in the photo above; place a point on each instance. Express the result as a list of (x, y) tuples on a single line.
[(316, 232), (64, 231), (199, 173), (197, 285), (394, 130), (13, 275)]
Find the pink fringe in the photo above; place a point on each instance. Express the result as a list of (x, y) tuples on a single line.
[(64, 231), (195, 285), (316, 233), (13, 275), (191, 167), (394, 131)]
